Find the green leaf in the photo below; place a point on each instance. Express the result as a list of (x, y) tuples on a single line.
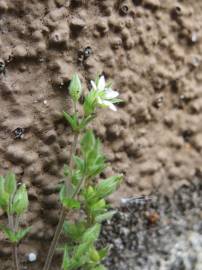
[(90, 195), (108, 186), (86, 120), (95, 160), (91, 234), (94, 153), (66, 259), (2, 182), (97, 208), (65, 192), (4, 201), (14, 237), (90, 103), (9, 233), (76, 177), (105, 216), (22, 233), (80, 164), (66, 170), (71, 203), (88, 141), (72, 120), (77, 261), (10, 183), (75, 88), (95, 170), (104, 252), (82, 249), (20, 201), (74, 231)]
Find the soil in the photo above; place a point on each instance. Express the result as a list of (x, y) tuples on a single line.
[(150, 49)]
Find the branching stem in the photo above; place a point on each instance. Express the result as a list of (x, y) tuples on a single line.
[(63, 210)]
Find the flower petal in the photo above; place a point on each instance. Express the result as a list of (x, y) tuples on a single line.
[(109, 93), (109, 104), (93, 85), (101, 83)]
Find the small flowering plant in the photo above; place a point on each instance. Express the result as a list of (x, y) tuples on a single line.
[(14, 202), (82, 190)]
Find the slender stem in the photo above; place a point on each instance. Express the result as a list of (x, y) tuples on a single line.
[(63, 210), (15, 257), (55, 239), (16, 224), (13, 225), (62, 213), (59, 230), (73, 149), (78, 188)]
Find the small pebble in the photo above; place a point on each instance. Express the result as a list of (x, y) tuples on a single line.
[(32, 257)]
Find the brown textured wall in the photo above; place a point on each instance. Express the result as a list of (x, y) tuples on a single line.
[(150, 49)]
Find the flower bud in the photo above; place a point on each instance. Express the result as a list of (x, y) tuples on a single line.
[(4, 196), (75, 88), (20, 202), (94, 255), (10, 183)]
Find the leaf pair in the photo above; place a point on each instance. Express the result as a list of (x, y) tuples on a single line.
[(93, 157), (76, 124), (108, 186), (66, 198), (7, 190), (15, 237), (12, 199), (90, 103), (103, 189), (94, 198), (79, 232), (84, 254)]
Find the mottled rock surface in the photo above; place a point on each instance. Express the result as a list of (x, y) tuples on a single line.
[(150, 49)]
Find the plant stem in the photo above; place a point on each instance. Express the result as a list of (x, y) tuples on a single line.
[(78, 188), (55, 240), (14, 228), (14, 245), (15, 257), (62, 213)]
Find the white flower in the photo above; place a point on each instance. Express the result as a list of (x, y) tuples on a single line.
[(105, 94), (101, 84)]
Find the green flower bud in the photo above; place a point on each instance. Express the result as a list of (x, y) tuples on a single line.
[(20, 201), (4, 196), (10, 183), (94, 255), (75, 88)]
